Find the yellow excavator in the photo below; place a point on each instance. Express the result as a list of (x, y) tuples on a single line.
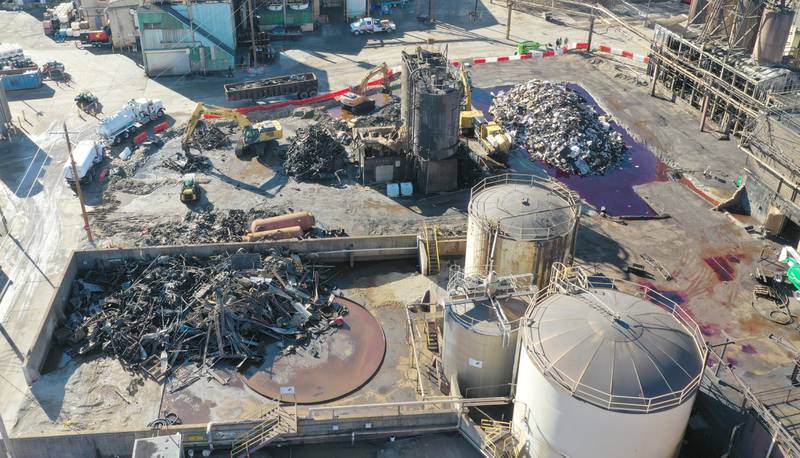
[(252, 134), (494, 139), (356, 100)]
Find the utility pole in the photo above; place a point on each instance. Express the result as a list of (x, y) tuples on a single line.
[(78, 187), (508, 19), (430, 10), (5, 223), (591, 32), (284, 15), (252, 31)]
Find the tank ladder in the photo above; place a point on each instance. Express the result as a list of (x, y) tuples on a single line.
[(499, 441), (275, 422)]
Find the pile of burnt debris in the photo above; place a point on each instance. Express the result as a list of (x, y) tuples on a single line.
[(158, 314), (210, 226), (187, 163), (557, 125), (387, 115), (207, 138), (315, 154)]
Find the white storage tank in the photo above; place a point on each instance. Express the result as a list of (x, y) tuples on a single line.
[(481, 322), (520, 224), (603, 373)]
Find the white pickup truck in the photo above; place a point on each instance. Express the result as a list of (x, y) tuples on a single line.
[(129, 118), (370, 25)]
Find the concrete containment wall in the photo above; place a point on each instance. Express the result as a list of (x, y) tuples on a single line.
[(120, 443), (333, 250)]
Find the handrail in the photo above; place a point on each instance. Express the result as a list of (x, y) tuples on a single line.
[(506, 228), (602, 398)]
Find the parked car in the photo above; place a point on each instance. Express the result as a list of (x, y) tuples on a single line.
[(289, 32), (370, 25)]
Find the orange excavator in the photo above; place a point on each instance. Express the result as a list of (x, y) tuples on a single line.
[(356, 100)]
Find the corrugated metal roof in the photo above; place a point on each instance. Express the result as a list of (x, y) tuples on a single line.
[(614, 350)]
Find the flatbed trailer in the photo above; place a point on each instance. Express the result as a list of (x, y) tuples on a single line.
[(301, 86)]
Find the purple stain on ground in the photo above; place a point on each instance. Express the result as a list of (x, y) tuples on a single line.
[(709, 329), (749, 349), (613, 190), (731, 360), (721, 267)]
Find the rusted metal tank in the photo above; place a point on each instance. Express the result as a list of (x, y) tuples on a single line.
[(776, 23), (275, 234), (305, 220), (520, 224)]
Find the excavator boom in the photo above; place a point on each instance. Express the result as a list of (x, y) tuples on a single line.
[(381, 69), (251, 133)]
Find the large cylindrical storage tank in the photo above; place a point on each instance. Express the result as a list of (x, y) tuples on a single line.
[(435, 119), (480, 334), (745, 26), (776, 23), (520, 224), (606, 374)]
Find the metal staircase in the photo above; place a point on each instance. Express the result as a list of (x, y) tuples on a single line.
[(275, 421), (199, 29), (432, 335), (430, 237), (499, 441)]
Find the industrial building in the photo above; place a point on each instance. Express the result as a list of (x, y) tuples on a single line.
[(177, 39), (736, 63), (271, 14), (121, 16)]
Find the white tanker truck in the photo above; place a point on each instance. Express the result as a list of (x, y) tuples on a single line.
[(132, 116)]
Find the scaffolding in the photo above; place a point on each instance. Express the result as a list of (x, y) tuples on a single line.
[(727, 87)]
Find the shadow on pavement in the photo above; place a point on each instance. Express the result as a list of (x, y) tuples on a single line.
[(22, 165)]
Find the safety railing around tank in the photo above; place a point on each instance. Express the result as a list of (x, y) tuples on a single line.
[(487, 390), (507, 228), (475, 288), (601, 398)]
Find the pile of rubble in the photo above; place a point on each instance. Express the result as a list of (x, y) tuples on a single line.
[(155, 315), (556, 125), (208, 138), (211, 226), (314, 154), (387, 115), (187, 163)]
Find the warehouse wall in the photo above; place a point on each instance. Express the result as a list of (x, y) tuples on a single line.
[(161, 30), (333, 250)]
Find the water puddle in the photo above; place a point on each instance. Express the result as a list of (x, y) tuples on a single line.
[(615, 190)]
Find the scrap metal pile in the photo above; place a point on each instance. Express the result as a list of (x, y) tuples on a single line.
[(208, 138), (211, 226), (314, 154), (155, 315), (556, 125), (386, 115), (187, 163)]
